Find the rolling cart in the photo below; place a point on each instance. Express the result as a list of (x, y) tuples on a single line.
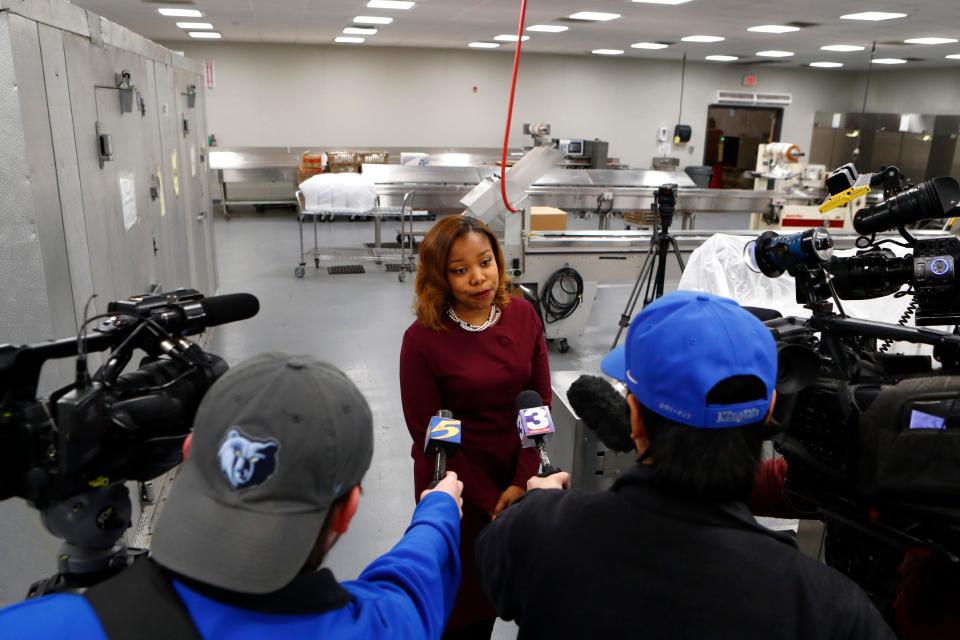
[(376, 252)]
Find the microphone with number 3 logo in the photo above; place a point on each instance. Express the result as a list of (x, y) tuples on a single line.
[(535, 425)]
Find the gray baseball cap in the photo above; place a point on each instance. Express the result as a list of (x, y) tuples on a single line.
[(275, 441)]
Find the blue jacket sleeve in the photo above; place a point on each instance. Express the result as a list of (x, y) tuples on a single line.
[(421, 574)]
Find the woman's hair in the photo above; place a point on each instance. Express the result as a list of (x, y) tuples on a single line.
[(433, 291)]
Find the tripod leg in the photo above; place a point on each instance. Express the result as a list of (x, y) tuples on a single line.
[(676, 252), (655, 289), (642, 277)]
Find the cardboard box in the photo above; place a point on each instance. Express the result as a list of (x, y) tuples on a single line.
[(548, 219)]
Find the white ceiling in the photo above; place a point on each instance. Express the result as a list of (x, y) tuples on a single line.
[(454, 23)]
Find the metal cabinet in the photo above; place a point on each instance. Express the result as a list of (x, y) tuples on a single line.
[(90, 121), (110, 181)]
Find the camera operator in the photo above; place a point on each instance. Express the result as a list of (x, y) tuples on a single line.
[(671, 550), (280, 446)]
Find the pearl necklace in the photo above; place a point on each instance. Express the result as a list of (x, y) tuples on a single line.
[(466, 326)]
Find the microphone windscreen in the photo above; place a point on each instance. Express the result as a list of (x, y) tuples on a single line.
[(603, 411), (528, 400), (229, 307)]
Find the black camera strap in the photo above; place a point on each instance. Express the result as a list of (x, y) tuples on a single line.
[(141, 603)]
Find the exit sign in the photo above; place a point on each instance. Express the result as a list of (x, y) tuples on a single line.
[(749, 81)]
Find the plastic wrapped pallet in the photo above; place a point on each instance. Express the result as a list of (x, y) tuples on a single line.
[(339, 192)]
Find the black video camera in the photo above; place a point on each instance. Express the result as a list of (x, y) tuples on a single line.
[(872, 439), (665, 202), (69, 455)]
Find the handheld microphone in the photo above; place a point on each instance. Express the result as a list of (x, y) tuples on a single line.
[(442, 440), (535, 425), (603, 410)]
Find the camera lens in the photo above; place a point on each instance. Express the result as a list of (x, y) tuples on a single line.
[(931, 199)]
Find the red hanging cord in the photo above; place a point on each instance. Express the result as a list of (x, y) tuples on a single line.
[(513, 89)]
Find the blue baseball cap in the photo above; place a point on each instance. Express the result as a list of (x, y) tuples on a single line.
[(682, 345)]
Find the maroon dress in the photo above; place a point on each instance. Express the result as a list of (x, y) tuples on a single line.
[(477, 376)]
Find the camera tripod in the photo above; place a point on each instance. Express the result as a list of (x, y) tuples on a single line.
[(92, 525), (650, 281)]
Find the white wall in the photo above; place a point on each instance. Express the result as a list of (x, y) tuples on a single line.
[(326, 96), (924, 91)]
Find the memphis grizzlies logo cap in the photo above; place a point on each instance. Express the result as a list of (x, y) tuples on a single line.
[(276, 440), (246, 462)]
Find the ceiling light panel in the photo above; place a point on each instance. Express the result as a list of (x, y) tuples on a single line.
[(349, 40), (205, 35), (390, 4), (773, 28), (509, 38), (180, 13), (608, 52), (826, 65), (889, 61), (843, 48), (360, 31), (722, 58), (649, 45), (195, 25), (873, 16), (594, 16), (547, 28), (775, 54), (484, 45), (703, 39), (372, 20), (930, 41), (953, 56)]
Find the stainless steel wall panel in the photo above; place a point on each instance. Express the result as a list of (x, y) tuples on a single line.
[(173, 260), (915, 156), (25, 310), (202, 178), (122, 259), (821, 146), (191, 177), (187, 64), (62, 15), (65, 163), (120, 37), (25, 41), (77, 52)]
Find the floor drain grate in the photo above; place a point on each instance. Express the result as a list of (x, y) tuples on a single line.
[(394, 267), (345, 269)]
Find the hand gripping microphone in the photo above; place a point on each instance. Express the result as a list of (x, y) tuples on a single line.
[(603, 411), (535, 425), (443, 438)]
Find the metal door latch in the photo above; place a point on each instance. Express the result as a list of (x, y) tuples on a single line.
[(105, 146), (186, 127), (126, 89), (154, 187)]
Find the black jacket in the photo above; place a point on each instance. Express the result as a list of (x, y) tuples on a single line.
[(634, 562)]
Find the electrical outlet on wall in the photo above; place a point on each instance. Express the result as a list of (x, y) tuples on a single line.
[(663, 134)]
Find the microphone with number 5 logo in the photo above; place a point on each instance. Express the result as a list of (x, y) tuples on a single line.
[(535, 425), (443, 438)]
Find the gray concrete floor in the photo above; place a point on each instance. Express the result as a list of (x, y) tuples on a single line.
[(357, 323)]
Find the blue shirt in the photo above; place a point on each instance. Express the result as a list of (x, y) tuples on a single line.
[(406, 593)]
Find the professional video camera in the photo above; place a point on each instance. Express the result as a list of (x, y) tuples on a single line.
[(872, 439), (69, 455)]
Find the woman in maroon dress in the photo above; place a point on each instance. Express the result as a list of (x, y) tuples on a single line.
[(471, 350)]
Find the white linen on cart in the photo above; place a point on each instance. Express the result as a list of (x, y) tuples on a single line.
[(340, 192)]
